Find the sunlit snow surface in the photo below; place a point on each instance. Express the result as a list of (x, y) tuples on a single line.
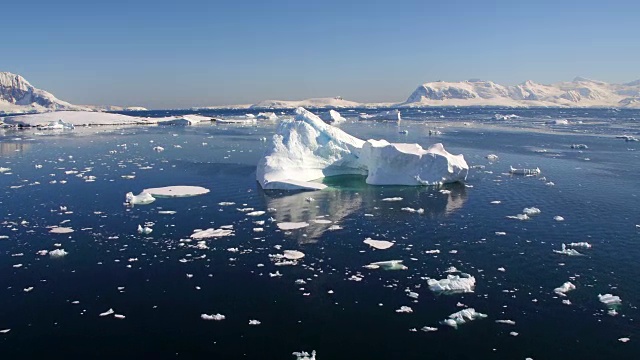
[(155, 287)]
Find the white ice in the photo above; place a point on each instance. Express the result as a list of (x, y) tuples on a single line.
[(609, 299), (462, 317), (211, 233), (564, 289), (333, 117), (216, 317), (143, 198), (177, 191), (57, 253), (292, 225), (307, 149), (378, 244), (463, 283)]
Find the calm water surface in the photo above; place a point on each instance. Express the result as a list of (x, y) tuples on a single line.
[(162, 283)]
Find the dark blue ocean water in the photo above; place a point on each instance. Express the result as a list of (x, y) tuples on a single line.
[(145, 277)]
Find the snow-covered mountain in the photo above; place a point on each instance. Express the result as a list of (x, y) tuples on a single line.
[(580, 92), (329, 102), (17, 95)]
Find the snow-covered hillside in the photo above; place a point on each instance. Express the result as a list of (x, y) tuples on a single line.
[(580, 92), (17, 95), (334, 102)]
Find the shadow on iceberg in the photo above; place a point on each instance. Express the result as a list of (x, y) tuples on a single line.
[(306, 149), (348, 197)]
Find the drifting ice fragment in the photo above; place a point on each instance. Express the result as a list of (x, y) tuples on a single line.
[(581, 244), (558, 218), (508, 322), (254, 322), (412, 210), (292, 225), (564, 289), (405, 309), (463, 283), (565, 251), (610, 300), (492, 157), (532, 211), (216, 317), (293, 254), (144, 230), (462, 317), (61, 230), (57, 253), (143, 198), (378, 244), (177, 191), (107, 313), (303, 355), (515, 171), (211, 233), (392, 199), (333, 117), (521, 217), (388, 265)]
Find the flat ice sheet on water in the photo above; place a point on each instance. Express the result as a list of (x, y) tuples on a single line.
[(307, 149), (177, 191), (211, 233), (378, 244)]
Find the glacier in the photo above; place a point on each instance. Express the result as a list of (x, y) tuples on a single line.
[(306, 149)]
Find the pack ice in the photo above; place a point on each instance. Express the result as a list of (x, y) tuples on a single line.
[(306, 149)]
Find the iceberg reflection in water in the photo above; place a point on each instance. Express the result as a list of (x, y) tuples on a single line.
[(348, 198)]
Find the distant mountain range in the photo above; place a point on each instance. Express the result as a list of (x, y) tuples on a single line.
[(580, 92), (17, 95)]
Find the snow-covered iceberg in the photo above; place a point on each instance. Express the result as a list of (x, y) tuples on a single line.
[(306, 149), (333, 117)]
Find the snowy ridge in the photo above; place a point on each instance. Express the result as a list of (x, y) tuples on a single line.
[(17, 95), (580, 92)]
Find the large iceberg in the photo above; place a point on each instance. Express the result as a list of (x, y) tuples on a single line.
[(306, 149)]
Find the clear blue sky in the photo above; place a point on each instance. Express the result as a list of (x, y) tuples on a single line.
[(187, 53)]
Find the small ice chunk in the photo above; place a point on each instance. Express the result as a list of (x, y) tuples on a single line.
[(492, 157), (564, 289), (292, 225), (254, 322), (4, 331), (462, 317), (143, 198), (404, 309), (57, 253), (303, 355), (496, 202), (256, 213), (216, 317), (378, 244), (523, 171), (412, 210), (581, 244), (520, 217), (532, 211), (463, 283), (565, 251), (388, 265), (211, 233), (508, 322), (609, 300), (392, 199), (558, 218), (107, 313), (144, 230), (293, 254), (61, 230), (428, 329), (624, 339)]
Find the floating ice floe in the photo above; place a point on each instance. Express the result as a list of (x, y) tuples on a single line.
[(378, 244), (387, 265), (293, 254), (57, 253), (144, 230), (216, 317), (4, 169), (582, 244), (177, 191), (61, 230), (405, 310), (107, 313), (211, 233), (523, 171), (463, 283), (462, 317), (307, 149), (564, 289), (558, 218), (4, 331), (566, 251), (292, 225), (507, 322), (609, 300), (57, 125), (532, 211), (392, 199), (579, 146), (521, 217), (303, 355), (143, 198), (412, 210), (492, 157), (624, 339), (254, 322), (271, 116)]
